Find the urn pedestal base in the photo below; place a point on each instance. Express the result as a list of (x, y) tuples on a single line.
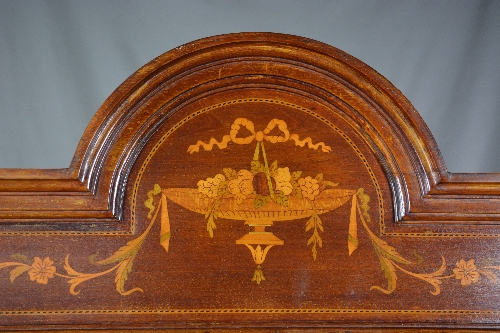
[(259, 237)]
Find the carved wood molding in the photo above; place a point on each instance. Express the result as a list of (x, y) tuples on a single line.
[(187, 96)]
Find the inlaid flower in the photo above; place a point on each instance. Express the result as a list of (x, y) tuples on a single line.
[(309, 187), (242, 184), (282, 178), (41, 271), (466, 272), (210, 186)]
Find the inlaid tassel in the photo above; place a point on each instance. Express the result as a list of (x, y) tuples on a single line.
[(352, 238), (165, 223), (258, 275)]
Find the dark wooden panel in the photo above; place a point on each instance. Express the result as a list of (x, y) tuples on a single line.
[(251, 181)]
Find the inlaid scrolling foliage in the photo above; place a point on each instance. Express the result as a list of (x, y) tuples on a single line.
[(261, 195), (43, 270)]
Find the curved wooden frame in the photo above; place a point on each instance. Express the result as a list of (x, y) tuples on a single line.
[(88, 197), (421, 185)]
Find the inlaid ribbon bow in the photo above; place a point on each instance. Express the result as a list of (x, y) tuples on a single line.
[(259, 136)]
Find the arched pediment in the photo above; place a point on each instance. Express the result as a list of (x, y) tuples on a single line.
[(264, 132)]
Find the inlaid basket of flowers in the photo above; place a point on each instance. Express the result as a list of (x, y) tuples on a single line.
[(265, 193)]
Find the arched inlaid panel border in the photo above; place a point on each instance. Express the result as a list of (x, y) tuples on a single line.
[(134, 200)]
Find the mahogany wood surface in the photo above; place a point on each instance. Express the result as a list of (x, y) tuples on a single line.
[(252, 182)]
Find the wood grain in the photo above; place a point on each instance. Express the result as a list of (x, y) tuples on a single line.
[(142, 231)]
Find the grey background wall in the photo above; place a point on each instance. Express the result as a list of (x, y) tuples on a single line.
[(59, 60)]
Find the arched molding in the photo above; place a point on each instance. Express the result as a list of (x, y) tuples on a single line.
[(92, 189)]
